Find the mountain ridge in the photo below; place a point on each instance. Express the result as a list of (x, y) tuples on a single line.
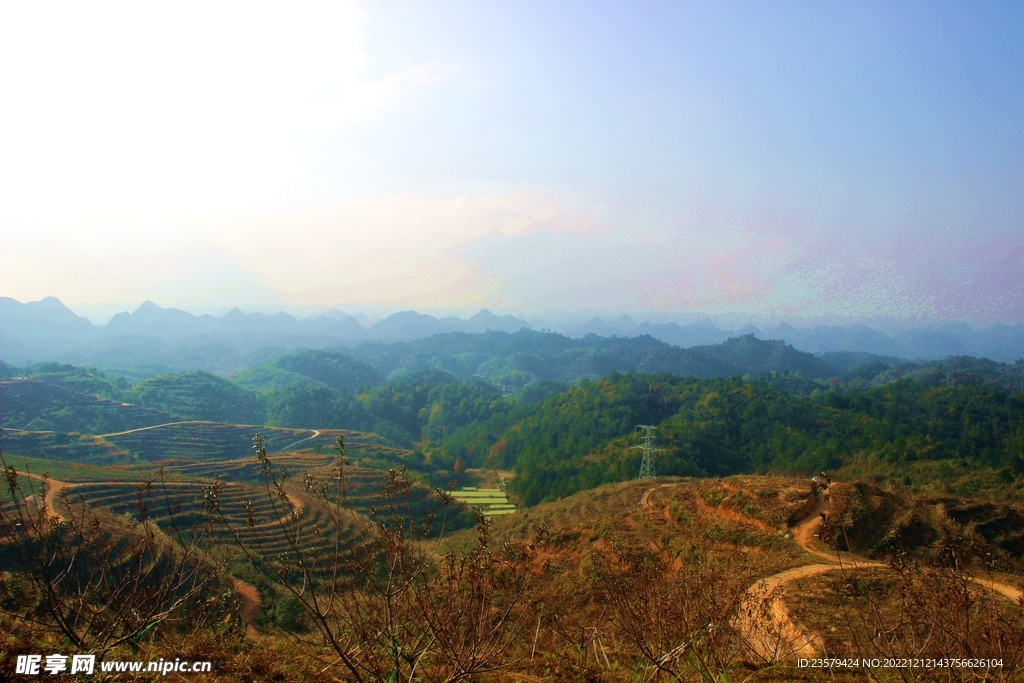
[(170, 337)]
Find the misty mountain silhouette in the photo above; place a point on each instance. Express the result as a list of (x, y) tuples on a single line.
[(48, 330)]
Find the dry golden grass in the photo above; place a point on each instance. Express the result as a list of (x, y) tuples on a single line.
[(700, 543)]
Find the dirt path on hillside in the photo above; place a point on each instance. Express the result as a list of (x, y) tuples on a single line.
[(1004, 589), (773, 634), (316, 433), (645, 500), (146, 429), (51, 496), (249, 604), (765, 621), (298, 507)]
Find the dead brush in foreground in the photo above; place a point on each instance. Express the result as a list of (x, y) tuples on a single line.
[(386, 605), (912, 611), (915, 611), (100, 582)]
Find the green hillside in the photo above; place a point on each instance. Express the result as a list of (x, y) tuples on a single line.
[(955, 370), (45, 404), (199, 396), (301, 405), (310, 368), (581, 438), (266, 377), (513, 360), (62, 446), (556, 411), (428, 404), (335, 370), (756, 356)]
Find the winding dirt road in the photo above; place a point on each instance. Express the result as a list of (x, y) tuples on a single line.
[(51, 496), (779, 636), (770, 631), (766, 623)]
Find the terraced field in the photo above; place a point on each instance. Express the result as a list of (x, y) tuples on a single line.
[(243, 492), (198, 442), (193, 454), (61, 446), (365, 493), (180, 506), (361, 450), (40, 404), (246, 469), (492, 502), (201, 441)]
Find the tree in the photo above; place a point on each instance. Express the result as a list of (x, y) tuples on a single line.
[(696, 620)]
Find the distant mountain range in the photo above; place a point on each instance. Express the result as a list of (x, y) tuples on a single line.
[(998, 342), (170, 338)]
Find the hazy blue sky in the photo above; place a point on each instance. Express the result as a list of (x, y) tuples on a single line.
[(772, 159)]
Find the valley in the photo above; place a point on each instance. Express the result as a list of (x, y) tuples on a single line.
[(793, 509)]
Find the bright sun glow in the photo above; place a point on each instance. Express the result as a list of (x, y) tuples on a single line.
[(115, 107)]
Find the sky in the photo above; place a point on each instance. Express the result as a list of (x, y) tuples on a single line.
[(776, 160)]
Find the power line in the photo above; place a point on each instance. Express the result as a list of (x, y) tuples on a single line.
[(647, 464)]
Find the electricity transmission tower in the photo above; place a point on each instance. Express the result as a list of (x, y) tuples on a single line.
[(647, 464)]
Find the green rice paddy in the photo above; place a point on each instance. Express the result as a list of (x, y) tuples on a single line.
[(492, 502)]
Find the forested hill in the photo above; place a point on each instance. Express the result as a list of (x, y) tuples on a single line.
[(513, 360), (581, 438), (198, 396), (755, 356)]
